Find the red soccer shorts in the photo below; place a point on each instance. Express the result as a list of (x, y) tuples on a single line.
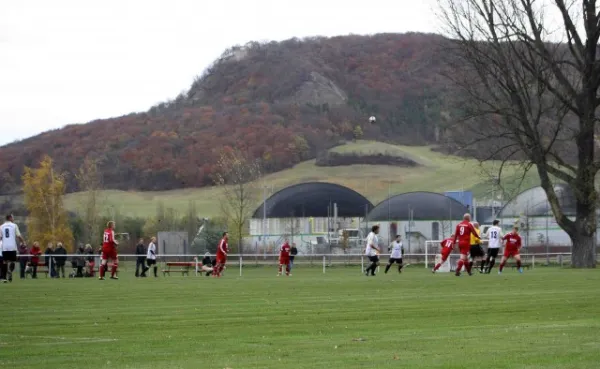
[(284, 261), (510, 252), (446, 251), (221, 260), (109, 253), (464, 248)]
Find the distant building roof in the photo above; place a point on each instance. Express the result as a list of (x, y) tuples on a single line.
[(312, 200), (424, 205), (534, 202)]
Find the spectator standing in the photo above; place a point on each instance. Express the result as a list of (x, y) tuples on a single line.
[(35, 258), (293, 253), (90, 260), (140, 262), (60, 257), (49, 260), (23, 259), (79, 262)]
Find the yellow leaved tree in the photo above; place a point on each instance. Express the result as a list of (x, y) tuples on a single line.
[(47, 220)]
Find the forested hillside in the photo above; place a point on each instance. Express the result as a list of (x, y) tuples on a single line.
[(283, 102)]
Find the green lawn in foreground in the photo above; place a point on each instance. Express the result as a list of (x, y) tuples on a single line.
[(546, 318), (437, 173)]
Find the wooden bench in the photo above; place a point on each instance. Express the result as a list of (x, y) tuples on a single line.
[(184, 267), (46, 270)]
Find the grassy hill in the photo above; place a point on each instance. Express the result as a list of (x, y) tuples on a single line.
[(283, 102), (437, 173)]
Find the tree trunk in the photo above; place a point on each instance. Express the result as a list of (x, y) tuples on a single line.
[(584, 250), (583, 253)]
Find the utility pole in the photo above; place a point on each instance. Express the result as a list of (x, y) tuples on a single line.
[(389, 213)]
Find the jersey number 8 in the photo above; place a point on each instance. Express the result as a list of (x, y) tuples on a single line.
[(6, 233)]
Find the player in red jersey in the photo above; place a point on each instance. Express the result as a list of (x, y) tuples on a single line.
[(109, 251), (512, 246), (222, 251), (284, 258), (447, 247), (463, 233)]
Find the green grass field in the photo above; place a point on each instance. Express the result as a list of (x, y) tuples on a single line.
[(437, 173), (546, 318)]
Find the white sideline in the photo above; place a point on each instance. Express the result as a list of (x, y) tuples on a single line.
[(61, 340)]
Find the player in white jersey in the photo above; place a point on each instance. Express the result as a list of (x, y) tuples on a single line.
[(494, 236), (10, 235), (396, 251), (372, 250), (151, 256)]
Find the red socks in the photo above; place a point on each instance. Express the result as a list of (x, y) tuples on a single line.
[(113, 271), (459, 266), (501, 266), (437, 266), (519, 264), (102, 270)]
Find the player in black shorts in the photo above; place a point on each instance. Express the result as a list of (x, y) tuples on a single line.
[(476, 252)]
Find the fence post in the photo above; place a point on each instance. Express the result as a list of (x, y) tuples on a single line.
[(323, 264), (240, 265), (50, 266), (362, 264), (560, 260), (533, 262), (196, 266), (426, 256)]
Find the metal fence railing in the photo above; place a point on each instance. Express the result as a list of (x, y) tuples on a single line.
[(188, 264)]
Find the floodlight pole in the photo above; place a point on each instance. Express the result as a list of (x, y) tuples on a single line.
[(264, 214), (389, 213)]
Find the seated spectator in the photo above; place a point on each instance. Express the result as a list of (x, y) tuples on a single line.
[(207, 264)]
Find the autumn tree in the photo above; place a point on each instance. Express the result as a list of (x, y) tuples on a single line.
[(357, 133), (236, 175), (531, 86), (44, 189), (89, 180)]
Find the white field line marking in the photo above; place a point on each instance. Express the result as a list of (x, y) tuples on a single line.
[(99, 340), (62, 340)]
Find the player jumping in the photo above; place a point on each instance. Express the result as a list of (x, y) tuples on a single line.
[(463, 233), (284, 258), (222, 251), (447, 247), (109, 252), (512, 246)]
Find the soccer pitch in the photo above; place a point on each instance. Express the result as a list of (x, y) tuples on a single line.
[(545, 318)]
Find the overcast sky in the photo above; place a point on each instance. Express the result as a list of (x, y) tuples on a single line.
[(72, 61)]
